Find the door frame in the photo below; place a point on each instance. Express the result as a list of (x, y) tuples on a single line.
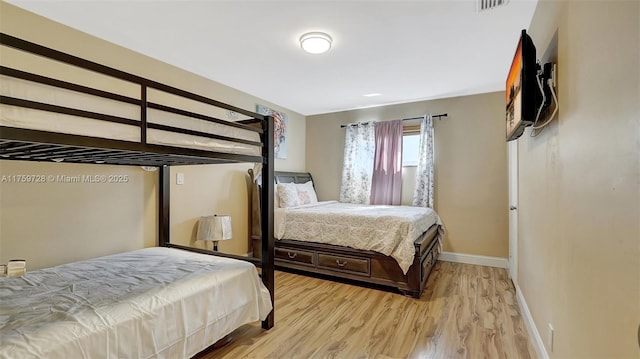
[(512, 154)]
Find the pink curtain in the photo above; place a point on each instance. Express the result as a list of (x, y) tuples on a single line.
[(386, 183)]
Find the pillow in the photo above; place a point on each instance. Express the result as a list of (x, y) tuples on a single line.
[(288, 195), (306, 193), (276, 197)]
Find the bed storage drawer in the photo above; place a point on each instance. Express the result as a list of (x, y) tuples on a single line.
[(295, 256), (344, 264), (429, 260), (427, 263)]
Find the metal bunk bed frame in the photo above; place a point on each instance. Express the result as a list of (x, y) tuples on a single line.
[(35, 145)]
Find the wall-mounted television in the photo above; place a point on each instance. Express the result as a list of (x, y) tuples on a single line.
[(523, 93)]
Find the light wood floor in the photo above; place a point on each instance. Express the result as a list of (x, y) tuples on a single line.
[(466, 311)]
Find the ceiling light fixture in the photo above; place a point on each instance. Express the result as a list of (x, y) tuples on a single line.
[(315, 42)]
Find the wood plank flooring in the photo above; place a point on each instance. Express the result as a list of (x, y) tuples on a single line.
[(466, 311)]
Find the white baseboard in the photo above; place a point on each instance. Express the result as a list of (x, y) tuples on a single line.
[(538, 344), (474, 259)]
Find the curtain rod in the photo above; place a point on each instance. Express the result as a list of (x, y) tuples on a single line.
[(412, 118)]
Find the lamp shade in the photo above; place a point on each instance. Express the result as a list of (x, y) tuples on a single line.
[(214, 228)]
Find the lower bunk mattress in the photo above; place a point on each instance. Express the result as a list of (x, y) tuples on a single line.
[(153, 302)]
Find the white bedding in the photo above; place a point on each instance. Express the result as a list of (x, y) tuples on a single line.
[(155, 302), (390, 230)]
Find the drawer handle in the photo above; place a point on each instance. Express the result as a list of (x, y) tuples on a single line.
[(341, 264), (291, 255)]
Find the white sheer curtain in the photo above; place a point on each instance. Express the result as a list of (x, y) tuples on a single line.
[(357, 171), (423, 195)]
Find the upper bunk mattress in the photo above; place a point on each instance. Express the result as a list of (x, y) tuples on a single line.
[(154, 302), (35, 119), (19, 117), (390, 230)]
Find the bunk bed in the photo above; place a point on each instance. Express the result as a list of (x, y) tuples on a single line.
[(348, 255), (81, 111)]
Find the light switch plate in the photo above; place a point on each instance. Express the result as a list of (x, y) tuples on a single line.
[(180, 178)]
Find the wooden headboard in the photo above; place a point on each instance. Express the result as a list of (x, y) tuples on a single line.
[(295, 177), (254, 204)]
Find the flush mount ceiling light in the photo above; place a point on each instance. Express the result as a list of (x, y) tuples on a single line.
[(315, 42)]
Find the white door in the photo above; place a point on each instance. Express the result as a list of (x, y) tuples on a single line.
[(513, 210)]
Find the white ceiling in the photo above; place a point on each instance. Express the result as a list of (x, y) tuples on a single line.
[(405, 50)]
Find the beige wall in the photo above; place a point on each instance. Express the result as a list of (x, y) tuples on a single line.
[(579, 188), (53, 223), (56, 221), (471, 165), (201, 195)]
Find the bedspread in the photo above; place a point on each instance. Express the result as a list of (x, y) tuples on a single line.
[(390, 230), (155, 302)]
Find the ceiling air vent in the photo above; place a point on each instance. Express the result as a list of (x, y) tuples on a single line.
[(490, 4)]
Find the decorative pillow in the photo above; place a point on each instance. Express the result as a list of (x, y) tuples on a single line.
[(288, 195), (303, 196), (306, 193)]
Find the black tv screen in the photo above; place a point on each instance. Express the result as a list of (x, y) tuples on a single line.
[(523, 95)]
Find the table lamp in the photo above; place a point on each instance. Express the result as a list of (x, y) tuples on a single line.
[(214, 228)]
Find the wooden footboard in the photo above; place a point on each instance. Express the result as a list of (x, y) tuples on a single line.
[(359, 265)]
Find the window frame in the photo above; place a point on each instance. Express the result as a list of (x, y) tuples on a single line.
[(409, 130)]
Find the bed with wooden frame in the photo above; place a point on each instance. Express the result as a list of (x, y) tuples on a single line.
[(79, 111), (343, 262)]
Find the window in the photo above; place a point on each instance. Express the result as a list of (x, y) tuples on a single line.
[(410, 145)]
